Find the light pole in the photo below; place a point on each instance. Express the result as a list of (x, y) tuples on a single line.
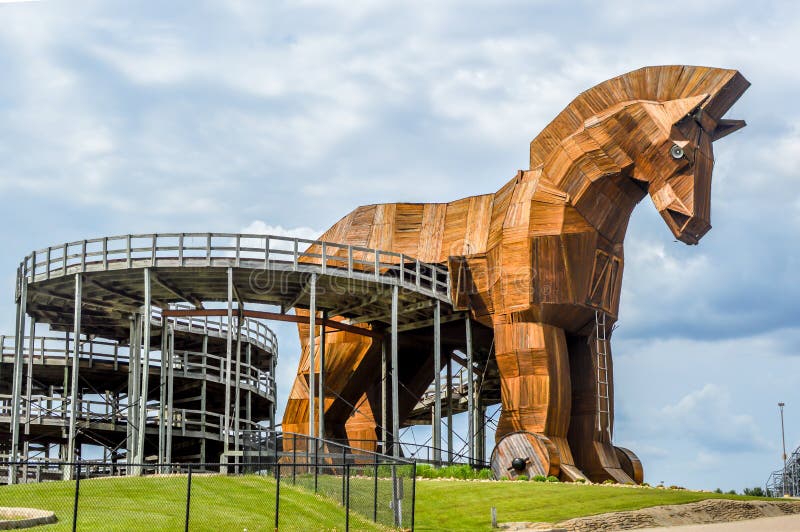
[(783, 440)]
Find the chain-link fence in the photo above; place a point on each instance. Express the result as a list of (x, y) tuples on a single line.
[(246, 494)]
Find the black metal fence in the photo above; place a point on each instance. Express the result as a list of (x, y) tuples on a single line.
[(331, 491)]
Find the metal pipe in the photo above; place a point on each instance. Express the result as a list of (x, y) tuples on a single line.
[(470, 393), (312, 316), (321, 423), (76, 351), (228, 357), (437, 384), (783, 440), (395, 380), (16, 393), (145, 371)]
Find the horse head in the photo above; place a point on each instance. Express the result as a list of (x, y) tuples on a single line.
[(658, 125), (678, 164)]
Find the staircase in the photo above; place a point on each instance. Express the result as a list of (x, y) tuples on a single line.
[(603, 388)]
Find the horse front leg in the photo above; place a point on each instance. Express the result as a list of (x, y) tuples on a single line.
[(592, 421), (536, 397)]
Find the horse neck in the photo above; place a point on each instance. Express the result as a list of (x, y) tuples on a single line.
[(605, 203)]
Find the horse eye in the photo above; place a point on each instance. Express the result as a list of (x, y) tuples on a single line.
[(676, 152)]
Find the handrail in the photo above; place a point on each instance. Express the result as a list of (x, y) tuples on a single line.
[(237, 250), (92, 411), (186, 363)]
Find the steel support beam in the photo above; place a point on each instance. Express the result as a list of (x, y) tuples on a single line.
[(145, 371), (384, 399), (437, 384), (312, 316), (73, 395), (470, 392), (29, 392), (237, 404), (16, 393), (449, 411), (321, 423), (395, 380), (228, 362), (171, 389)]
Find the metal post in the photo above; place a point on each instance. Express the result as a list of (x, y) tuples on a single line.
[(188, 497), (170, 392), (347, 500), (384, 399), (77, 494), (228, 357), (19, 347), (375, 491), (312, 315), (238, 377), (449, 409), (470, 393), (29, 391), (783, 440), (145, 372), (395, 383), (162, 397), (76, 351), (437, 385), (132, 386), (277, 493), (321, 394)]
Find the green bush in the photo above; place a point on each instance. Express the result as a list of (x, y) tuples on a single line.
[(717, 490), (485, 474), (539, 478), (758, 491), (551, 478), (580, 480), (523, 478), (732, 492), (609, 481), (645, 485)]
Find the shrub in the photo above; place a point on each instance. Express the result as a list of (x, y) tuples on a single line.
[(645, 485), (485, 474), (732, 492), (609, 481), (717, 490), (551, 478), (523, 478), (426, 471), (755, 492), (580, 480)]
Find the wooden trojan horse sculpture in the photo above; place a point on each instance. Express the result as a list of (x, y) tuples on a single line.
[(545, 255)]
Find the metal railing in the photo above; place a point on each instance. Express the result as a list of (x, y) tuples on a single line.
[(54, 411), (188, 364), (236, 250)]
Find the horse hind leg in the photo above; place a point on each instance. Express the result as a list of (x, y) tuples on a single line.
[(536, 395), (592, 418)]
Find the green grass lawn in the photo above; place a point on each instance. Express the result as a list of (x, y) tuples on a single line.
[(247, 502), (463, 505), (159, 503)]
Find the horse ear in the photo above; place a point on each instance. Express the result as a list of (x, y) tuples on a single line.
[(676, 110)]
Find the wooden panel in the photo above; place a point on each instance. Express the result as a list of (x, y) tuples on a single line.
[(544, 252)]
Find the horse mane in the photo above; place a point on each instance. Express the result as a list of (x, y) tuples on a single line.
[(653, 83)]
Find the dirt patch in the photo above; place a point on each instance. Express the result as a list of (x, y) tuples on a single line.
[(12, 518), (703, 512)]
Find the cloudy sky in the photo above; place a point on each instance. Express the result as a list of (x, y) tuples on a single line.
[(283, 116)]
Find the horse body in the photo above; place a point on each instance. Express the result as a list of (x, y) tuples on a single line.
[(544, 254)]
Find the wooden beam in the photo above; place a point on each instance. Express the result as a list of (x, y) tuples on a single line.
[(275, 316), (189, 298), (384, 316)]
